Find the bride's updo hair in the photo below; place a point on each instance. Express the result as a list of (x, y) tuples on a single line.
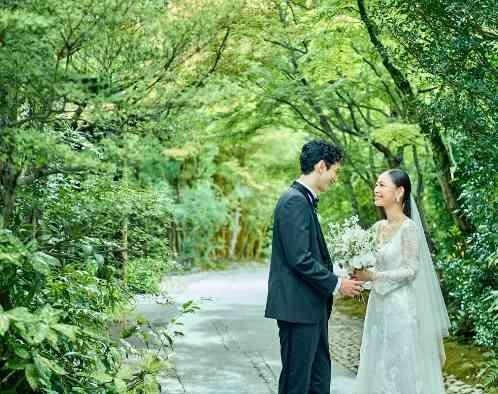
[(401, 178)]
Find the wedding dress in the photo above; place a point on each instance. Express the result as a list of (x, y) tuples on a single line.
[(402, 350)]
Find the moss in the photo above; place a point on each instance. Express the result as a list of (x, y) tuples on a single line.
[(213, 265), (465, 361), (351, 306), (225, 264)]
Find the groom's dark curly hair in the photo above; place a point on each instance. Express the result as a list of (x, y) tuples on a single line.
[(317, 150)]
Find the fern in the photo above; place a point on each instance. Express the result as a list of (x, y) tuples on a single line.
[(489, 374)]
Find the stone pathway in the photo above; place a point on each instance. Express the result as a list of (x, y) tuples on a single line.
[(229, 348), (345, 342)]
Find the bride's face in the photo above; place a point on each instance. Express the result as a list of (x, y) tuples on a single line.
[(386, 192)]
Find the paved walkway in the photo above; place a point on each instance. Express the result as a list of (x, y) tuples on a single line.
[(229, 348)]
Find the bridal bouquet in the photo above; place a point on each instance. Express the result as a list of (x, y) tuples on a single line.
[(351, 246)]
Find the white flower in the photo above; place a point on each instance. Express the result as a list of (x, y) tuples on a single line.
[(368, 259), (357, 262), (341, 272), (350, 245)]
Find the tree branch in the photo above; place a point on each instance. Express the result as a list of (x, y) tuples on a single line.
[(301, 115), (393, 160), (379, 75), (219, 51), (399, 79), (285, 46)]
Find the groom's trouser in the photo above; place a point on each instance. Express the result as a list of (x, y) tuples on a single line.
[(304, 350)]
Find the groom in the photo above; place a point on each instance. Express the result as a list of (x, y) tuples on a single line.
[(301, 282)]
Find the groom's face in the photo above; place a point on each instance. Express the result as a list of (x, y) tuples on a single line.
[(327, 176)]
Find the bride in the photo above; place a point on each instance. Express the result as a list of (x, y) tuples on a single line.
[(402, 347)]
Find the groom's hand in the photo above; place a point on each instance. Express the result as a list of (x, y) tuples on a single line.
[(351, 287)]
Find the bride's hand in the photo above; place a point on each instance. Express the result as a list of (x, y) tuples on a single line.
[(363, 275)]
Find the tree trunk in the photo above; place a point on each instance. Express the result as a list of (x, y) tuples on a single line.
[(172, 237), (226, 242), (443, 172), (125, 225), (8, 189), (243, 244), (235, 234), (419, 199), (36, 214), (440, 154), (257, 249)]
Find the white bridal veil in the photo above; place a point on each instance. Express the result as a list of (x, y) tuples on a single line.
[(432, 316)]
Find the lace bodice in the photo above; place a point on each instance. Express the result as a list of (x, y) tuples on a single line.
[(397, 257)]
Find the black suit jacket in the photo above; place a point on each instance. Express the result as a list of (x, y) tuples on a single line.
[(301, 280)]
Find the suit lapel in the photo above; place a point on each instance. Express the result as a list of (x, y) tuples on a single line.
[(305, 192)]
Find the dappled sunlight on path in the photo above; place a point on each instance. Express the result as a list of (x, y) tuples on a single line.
[(229, 347)]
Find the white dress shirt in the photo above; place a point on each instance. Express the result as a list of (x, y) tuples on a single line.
[(339, 279)]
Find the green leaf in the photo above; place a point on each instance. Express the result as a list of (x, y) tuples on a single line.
[(33, 333), (187, 304), (38, 332), (11, 257), (120, 385), (49, 315), (125, 373), (17, 365), (4, 323), (397, 134), (87, 249), (129, 331), (43, 262), (22, 353), (32, 376), (152, 363), (102, 377), (53, 338), (49, 364), (21, 314), (92, 334), (67, 330), (99, 259), (150, 384)]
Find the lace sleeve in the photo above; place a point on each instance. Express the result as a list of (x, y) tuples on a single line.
[(387, 281)]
